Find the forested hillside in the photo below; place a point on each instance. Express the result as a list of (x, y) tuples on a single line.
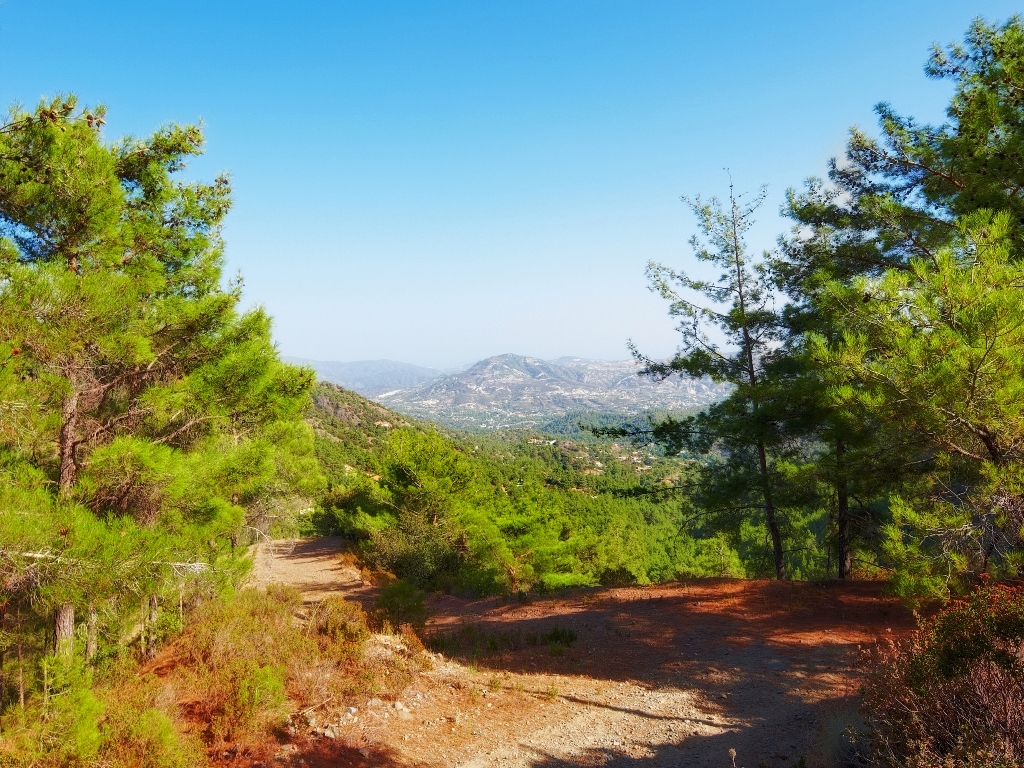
[(504, 511)]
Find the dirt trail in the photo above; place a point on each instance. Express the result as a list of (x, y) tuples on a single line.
[(669, 675), (312, 565)]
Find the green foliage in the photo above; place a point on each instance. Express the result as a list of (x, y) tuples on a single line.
[(147, 426), (146, 737), (559, 635), (907, 275), (503, 512), (402, 603), (746, 432), (244, 650), (341, 623), (255, 697)]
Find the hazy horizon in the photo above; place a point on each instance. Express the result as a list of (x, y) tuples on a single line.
[(458, 367)]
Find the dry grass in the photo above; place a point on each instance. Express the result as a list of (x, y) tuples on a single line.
[(249, 668), (952, 695)]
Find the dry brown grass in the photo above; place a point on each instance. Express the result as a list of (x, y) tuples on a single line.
[(250, 670)]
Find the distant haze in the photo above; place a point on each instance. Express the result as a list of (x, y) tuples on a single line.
[(370, 378)]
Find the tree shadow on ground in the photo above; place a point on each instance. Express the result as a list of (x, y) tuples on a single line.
[(764, 661), (696, 750), (326, 753), (654, 633)]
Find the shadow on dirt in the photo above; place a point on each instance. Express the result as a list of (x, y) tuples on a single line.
[(757, 744), (328, 753), (764, 663), (656, 634)]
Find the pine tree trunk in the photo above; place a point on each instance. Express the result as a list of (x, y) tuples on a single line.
[(144, 618), (21, 667), (90, 636), (843, 515), (66, 447), (152, 626), (770, 514), (64, 630)]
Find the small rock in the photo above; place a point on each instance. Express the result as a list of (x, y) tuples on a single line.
[(400, 706), (364, 752), (352, 710), (374, 703), (329, 733)]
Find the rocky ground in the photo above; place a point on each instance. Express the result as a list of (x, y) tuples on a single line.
[(668, 675)]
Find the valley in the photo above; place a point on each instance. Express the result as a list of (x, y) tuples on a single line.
[(516, 392)]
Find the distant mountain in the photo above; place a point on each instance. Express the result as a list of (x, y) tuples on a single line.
[(514, 391), (370, 378)]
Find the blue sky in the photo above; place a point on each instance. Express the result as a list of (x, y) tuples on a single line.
[(441, 182)]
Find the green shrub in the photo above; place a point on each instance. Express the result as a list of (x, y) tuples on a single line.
[(339, 626), (255, 698), (70, 712), (952, 695), (237, 655), (561, 636), (137, 736), (402, 603)]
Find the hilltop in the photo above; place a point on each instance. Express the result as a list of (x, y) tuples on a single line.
[(512, 391)]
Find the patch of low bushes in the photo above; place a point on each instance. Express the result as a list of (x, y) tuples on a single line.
[(244, 662), (470, 643), (952, 696)]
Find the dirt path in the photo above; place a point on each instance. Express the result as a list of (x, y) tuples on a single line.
[(670, 675), (313, 565)]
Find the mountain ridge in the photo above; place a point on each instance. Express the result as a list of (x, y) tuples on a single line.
[(518, 391)]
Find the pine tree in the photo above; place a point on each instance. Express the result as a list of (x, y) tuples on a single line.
[(903, 269), (144, 421), (745, 429)]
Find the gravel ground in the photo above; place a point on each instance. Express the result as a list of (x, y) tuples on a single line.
[(669, 675)]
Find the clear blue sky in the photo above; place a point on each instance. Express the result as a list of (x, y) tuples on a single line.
[(441, 182)]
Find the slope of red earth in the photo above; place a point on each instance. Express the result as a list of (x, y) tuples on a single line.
[(669, 675)]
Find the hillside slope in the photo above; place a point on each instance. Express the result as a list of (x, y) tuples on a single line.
[(510, 391), (487, 513)]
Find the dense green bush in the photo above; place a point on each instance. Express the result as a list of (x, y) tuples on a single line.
[(953, 694), (401, 603)]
